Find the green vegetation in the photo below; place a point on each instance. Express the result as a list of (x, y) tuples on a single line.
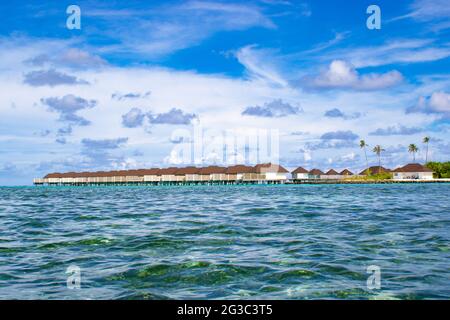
[(363, 145), (441, 169), (378, 149), (413, 149), (426, 140), (370, 177), (380, 176)]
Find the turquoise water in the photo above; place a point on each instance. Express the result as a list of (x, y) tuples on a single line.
[(212, 242)]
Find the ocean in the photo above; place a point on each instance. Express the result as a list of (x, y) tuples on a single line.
[(226, 242)]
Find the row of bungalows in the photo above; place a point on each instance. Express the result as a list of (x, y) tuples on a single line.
[(412, 171), (261, 173), (302, 174)]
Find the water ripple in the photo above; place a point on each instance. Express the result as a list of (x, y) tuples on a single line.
[(234, 242)]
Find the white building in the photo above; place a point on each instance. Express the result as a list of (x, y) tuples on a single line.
[(413, 171), (315, 174), (331, 174), (271, 172), (300, 173)]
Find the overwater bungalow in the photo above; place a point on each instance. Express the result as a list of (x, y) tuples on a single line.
[(53, 178), (80, 178), (134, 176), (315, 174), (67, 178), (270, 172), (168, 175), (331, 174), (188, 174), (213, 173), (413, 171), (300, 173), (346, 173), (152, 175), (120, 176), (38, 181), (237, 172)]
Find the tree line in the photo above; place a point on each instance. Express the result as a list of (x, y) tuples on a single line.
[(440, 169), (378, 149)]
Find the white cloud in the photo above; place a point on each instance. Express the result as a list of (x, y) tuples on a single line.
[(341, 74), (67, 107), (51, 78), (173, 116), (71, 57), (133, 118), (434, 11), (172, 27), (393, 51), (349, 156), (258, 66), (438, 103), (273, 109)]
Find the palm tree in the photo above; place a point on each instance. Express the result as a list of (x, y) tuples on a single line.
[(426, 140), (413, 149), (363, 145), (378, 149)]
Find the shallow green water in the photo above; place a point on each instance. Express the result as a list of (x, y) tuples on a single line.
[(211, 242)]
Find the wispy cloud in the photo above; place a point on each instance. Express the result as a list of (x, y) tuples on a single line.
[(435, 11), (130, 95), (338, 37), (274, 109), (51, 78), (159, 31), (331, 144), (393, 51), (103, 144), (336, 113), (65, 131), (43, 133), (70, 57), (396, 130), (259, 64), (100, 153), (339, 135), (173, 116), (61, 140)]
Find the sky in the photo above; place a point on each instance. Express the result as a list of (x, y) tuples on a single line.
[(133, 84)]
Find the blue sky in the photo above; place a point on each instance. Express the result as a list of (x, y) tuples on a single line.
[(119, 92)]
